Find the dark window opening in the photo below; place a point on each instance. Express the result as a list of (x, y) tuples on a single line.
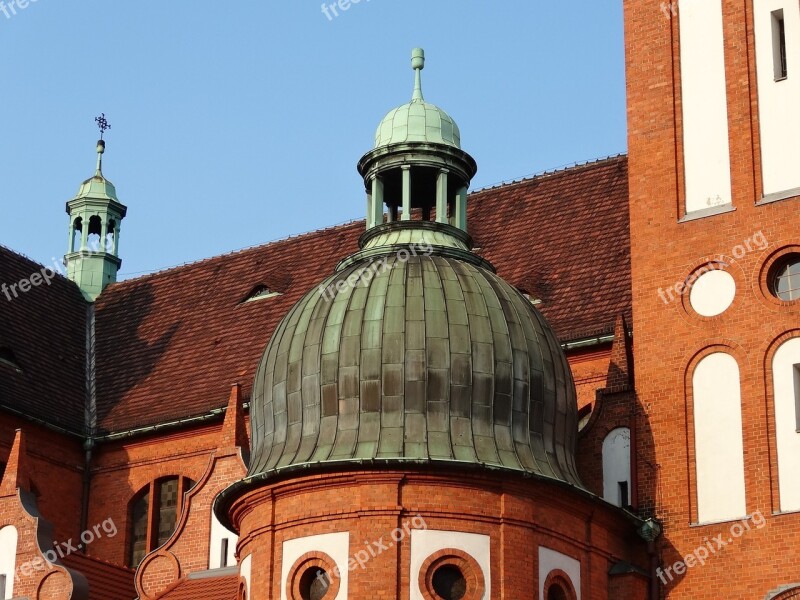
[(95, 231), (556, 592), (2, 586), (111, 230), (779, 45), (624, 495), (449, 583), (154, 515), (223, 559), (139, 524), (77, 232), (258, 293), (314, 584)]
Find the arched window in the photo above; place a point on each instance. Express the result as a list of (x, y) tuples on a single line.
[(617, 467), (110, 244), (95, 231), (77, 232), (556, 592), (719, 450), (154, 514), (8, 557), (786, 382)]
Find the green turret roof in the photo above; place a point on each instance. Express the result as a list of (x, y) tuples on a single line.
[(97, 186), (418, 121)]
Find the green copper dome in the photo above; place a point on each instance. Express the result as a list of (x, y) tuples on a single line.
[(98, 187), (418, 121), (423, 354)]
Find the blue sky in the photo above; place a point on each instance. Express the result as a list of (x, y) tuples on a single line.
[(240, 122)]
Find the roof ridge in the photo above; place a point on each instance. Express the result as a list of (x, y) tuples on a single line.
[(143, 275), (33, 261), (164, 270), (563, 169)]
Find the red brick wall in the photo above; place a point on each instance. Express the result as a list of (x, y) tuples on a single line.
[(34, 577), (188, 549), (121, 469), (55, 464), (590, 371), (517, 514), (668, 336)]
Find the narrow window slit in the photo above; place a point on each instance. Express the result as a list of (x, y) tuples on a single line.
[(779, 45)]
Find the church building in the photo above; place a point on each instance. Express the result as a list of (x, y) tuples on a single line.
[(584, 385)]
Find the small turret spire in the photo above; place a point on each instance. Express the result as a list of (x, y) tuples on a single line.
[(103, 125), (418, 63)]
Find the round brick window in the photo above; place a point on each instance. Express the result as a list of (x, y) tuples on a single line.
[(312, 577), (785, 277), (451, 574)]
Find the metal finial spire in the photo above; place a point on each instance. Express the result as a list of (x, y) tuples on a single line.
[(103, 125), (417, 63)]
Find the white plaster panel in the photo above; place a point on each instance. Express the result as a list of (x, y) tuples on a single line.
[(335, 545), (246, 572), (218, 533), (429, 541), (8, 557), (550, 560), (786, 378), (705, 105), (713, 293), (718, 439), (778, 101), (616, 464)]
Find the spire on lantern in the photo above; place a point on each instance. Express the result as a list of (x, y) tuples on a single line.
[(417, 175), (418, 63), (95, 213)]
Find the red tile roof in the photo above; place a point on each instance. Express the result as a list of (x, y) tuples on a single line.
[(206, 588), (169, 345), (44, 329), (106, 581), (564, 238)]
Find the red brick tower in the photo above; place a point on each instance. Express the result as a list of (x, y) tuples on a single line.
[(714, 124)]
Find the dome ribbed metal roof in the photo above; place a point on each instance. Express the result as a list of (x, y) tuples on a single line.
[(430, 359), (418, 121)]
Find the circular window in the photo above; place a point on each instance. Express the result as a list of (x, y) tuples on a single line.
[(314, 584), (712, 293), (785, 278), (313, 577), (451, 574), (449, 582)]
